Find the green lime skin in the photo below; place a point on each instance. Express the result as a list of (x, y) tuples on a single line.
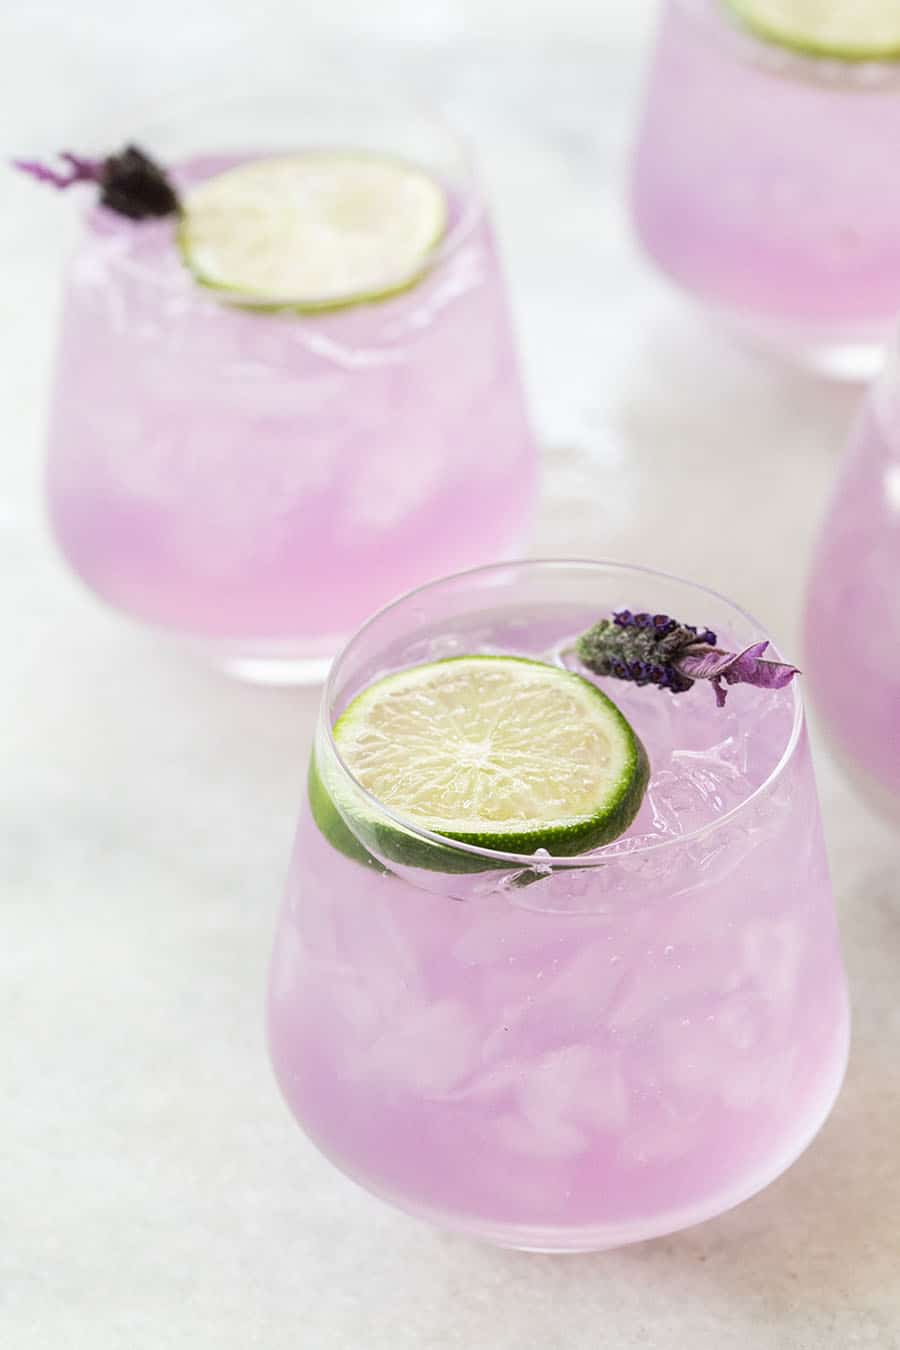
[(806, 46), (411, 850), (237, 298)]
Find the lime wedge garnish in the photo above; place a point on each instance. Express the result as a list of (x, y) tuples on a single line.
[(498, 752), (313, 231), (849, 30)]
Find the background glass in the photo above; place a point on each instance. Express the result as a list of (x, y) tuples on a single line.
[(853, 600), (763, 185), (256, 482)]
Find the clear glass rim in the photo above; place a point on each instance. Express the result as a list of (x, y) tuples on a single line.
[(608, 853), (854, 75), (145, 123)]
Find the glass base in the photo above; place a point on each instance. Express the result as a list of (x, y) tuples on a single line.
[(555, 1241), (275, 664), (278, 672), (852, 355)]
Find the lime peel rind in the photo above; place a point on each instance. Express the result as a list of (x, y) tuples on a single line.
[(775, 22), (402, 241), (357, 831)]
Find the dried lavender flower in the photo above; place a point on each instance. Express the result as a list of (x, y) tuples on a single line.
[(655, 649), (130, 182)]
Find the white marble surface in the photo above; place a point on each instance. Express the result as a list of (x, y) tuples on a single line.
[(153, 1190)]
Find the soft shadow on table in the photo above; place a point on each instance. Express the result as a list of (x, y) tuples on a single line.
[(696, 402), (692, 377)]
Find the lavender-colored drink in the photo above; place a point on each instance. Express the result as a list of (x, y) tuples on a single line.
[(764, 185), (258, 482), (853, 602), (568, 1053)]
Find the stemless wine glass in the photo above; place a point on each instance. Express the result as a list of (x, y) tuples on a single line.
[(764, 184), (853, 600), (571, 1053), (258, 482)]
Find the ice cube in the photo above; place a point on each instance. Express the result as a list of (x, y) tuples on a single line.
[(742, 1022), (698, 786), (603, 1098), (545, 1139), (554, 1083), (693, 1054), (655, 989), (568, 1095), (660, 1140), (426, 1050), (376, 969), (772, 953), (557, 1000), (376, 936), (287, 964), (742, 1085), (397, 476), (575, 1001), (501, 1080), (507, 934), (546, 1123)]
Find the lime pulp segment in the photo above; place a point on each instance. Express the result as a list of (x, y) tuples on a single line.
[(313, 231), (502, 753)]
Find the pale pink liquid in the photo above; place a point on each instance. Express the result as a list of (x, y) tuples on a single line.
[(600, 1056), (765, 182), (853, 601), (267, 480)]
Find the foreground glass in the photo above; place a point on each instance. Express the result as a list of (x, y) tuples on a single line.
[(853, 601), (260, 482), (567, 1054), (764, 184)]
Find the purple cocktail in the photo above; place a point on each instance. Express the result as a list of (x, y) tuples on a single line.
[(764, 185), (256, 481), (853, 601), (563, 1052)]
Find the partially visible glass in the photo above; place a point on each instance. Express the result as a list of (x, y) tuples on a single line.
[(258, 483), (764, 184), (853, 600), (567, 1054)]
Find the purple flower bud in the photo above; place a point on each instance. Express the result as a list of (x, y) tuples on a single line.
[(130, 182), (654, 649)]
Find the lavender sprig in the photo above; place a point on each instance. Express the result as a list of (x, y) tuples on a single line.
[(130, 182), (654, 649), (80, 170)]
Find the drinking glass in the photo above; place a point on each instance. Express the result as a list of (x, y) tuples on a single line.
[(258, 482), (566, 1053), (764, 185), (853, 601)]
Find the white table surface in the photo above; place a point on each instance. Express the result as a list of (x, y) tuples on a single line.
[(153, 1190)]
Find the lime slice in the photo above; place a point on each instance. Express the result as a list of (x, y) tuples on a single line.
[(332, 824), (313, 231), (851, 30), (499, 752)]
